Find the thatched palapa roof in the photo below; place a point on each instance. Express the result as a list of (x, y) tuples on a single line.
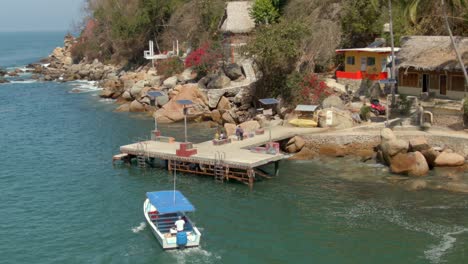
[(238, 19), (431, 53)]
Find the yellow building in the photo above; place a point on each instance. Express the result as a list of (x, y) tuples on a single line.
[(365, 63)]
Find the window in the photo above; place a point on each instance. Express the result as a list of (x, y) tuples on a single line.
[(458, 83), (409, 80), (350, 60), (370, 61)]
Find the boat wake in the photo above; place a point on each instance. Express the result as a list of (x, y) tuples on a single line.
[(194, 255), (435, 253), (139, 228)]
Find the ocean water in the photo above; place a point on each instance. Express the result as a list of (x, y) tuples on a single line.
[(62, 200)]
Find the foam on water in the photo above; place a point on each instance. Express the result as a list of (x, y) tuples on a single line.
[(445, 234), (84, 86), (436, 252), (25, 81), (139, 228), (194, 255)]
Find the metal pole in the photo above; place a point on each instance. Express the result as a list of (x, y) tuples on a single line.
[(185, 124), (269, 128), (175, 177), (392, 85)]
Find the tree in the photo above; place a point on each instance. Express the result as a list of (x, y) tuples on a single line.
[(275, 49), (265, 11)]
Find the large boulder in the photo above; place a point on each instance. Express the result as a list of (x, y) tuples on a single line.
[(430, 155), (224, 104), (446, 159), (333, 101), (230, 129), (136, 106), (419, 144), (250, 126), (216, 116), (173, 112), (295, 144), (304, 154), (188, 75), (395, 146), (340, 119), (123, 108), (412, 164), (228, 118), (170, 82), (214, 96), (219, 82), (387, 134), (137, 88), (233, 71)]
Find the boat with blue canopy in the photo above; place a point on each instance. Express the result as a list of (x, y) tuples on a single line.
[(165, 212)]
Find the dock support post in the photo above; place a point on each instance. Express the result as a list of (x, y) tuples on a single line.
[(251, 175), (276, 168)]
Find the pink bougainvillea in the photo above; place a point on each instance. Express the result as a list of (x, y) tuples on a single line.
[(204, 59), (314, 89)]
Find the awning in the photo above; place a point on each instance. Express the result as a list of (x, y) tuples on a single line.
[(165, 203), (306, 108)]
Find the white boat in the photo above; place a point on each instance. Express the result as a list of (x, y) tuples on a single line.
[(161, 210)]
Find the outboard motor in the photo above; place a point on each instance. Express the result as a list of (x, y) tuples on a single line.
[(181, 240)]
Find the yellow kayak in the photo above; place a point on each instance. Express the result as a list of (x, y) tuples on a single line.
[(303, 122)]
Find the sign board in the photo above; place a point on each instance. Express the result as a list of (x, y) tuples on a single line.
[(329, 120), (388, 81)]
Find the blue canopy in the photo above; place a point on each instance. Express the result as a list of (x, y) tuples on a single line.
[(164, 202)]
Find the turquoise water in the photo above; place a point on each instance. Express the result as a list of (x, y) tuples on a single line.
[(62, 201)]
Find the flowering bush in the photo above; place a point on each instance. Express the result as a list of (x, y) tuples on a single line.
[(204, 59), (313, 89)]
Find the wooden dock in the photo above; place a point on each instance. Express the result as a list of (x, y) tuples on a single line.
[(225, 162)]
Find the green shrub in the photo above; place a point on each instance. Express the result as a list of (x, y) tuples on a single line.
[(365, 112), (404, 105), (465, 111), (169, 67), (265, 11)]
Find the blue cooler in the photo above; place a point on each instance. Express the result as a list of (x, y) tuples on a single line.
[(181, 239)]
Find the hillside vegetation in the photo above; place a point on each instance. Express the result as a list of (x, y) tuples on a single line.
[(293, 38)]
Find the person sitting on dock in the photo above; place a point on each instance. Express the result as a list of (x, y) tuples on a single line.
[(238, 132), (180, 224)]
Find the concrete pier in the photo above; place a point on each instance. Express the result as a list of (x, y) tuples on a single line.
[(235, 160)]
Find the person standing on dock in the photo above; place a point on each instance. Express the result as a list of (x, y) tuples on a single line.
[(238, 132)]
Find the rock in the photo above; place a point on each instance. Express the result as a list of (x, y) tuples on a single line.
[(137, 88), (154, 81), (250, 126), (127, 96), (123, 108), (2, 80), (456, 187), (419, 144), (333, 101), (216, 116), (395, 146), (233, 71), (332, 151), (430, 155), (3, 72), (449, 160), (162, 100), (173, 112), (291, 148), (387, 134), (106, 93), (145, 100), (224, 104), (415, 184), (136, 106), (304, 154), (412, 164), (170, 82), (226, 116), (341, 119), (299, 142), (12, 74), (214, 96), (219, 82), (188, 75), (230, 129)]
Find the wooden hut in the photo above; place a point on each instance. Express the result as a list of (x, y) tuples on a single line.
[(428, 64)]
